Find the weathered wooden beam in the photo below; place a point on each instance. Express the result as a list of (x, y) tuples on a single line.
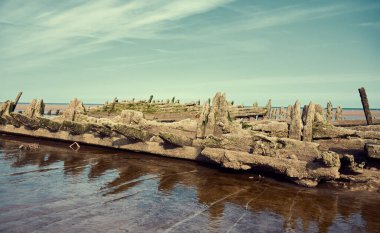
[(364, 99), (16, 101)]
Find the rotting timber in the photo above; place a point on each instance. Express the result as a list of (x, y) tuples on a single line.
[(302, 145)]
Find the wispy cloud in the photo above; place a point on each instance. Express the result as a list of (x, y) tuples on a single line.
[(258, 19), (375, 24), (244, 31), (54, 30), (139, 33)]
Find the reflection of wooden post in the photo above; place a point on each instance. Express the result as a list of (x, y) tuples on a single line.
[(367, 112), (16, 101)]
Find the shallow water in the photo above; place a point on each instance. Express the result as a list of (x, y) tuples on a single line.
[(56, 189)]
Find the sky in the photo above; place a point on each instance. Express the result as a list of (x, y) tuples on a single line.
[(191, 49)]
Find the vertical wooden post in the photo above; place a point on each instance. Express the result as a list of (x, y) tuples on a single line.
[(367, 112), (150, 99), (112, 106), (269, 108)]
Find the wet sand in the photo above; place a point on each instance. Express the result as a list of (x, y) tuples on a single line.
[(359, 114), (55, 189)]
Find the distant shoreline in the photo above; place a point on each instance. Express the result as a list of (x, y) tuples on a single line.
[(348, 113), (98, 104)]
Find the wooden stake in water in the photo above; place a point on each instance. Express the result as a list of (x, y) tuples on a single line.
[(367, 112)]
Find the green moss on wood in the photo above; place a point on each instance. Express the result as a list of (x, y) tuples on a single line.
[(132, 132), (245, 125), (331, 159), (212, 142), (74, 128), (48, 124), (27, 122), (100, 130)]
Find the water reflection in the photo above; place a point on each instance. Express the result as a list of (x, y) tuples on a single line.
[(56, 189)]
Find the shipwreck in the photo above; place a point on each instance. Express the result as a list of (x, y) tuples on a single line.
[(307, 145)]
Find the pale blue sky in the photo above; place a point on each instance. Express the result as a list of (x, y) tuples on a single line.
[(252, 50)]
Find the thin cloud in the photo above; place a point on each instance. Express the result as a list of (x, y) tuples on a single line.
[(370, 24), (259, 19), (73, 27)]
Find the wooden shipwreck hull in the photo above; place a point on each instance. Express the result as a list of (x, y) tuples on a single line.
[(274, 146)]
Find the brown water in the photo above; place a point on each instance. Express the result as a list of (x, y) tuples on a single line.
[(56, 189)]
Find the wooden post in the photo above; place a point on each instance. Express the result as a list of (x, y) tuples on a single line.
[(112, 106), (16, 101), (269, 108), (18, 97), (367, 112), (150, 99)]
